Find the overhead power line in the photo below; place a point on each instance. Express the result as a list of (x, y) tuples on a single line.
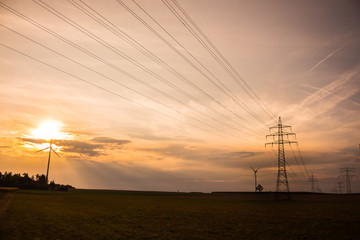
[(300, 162), (99, 18), (217, 83), (91, 54), (218, 56), (113, 80), (136, 63), (109, 91)]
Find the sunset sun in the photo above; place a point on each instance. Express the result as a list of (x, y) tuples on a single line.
[(49, 129)]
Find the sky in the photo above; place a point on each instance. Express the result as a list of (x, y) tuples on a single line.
[(169, 95)]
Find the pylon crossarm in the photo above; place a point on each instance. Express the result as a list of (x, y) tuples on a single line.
[(289, 133), (272, 144), (270, 135), (273, 127), (350, 170), (290, 142)]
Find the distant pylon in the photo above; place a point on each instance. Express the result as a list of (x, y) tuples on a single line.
[(313, 182), (282, 184), (348, 176), (338, 187)]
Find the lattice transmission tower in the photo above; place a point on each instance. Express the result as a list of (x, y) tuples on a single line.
[(313, 182), (338, 187), (348, 175), (282, 184)]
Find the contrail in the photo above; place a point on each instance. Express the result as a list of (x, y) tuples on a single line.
[(323, 60), (327, 90)]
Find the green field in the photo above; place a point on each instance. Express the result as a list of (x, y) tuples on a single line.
[(85, 214)]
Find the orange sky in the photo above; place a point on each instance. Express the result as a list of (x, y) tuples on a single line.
[(145, 106)]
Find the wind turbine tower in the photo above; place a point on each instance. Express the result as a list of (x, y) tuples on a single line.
[(48, 165), (255, 172)]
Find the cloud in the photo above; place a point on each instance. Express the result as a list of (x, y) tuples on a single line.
[(149, 136), (330, 90), (137, 177), (242, 159), (88, 148), (33, 140), (110, 140), (194, 155), (324, 102), (71, 146)]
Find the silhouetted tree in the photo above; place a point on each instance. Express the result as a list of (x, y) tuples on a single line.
[(25, 182)]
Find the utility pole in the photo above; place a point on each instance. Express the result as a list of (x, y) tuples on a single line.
[(313, 182), (282, 184), (255, 171), (348, 176), (48, 165)]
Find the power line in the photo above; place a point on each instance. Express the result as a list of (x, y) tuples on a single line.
[(124, 86), (217, 84), (115, 50), (89, 53), (302, 161), (121, 34), (292, 173), (302, 167), (221, 59), (109, 91)]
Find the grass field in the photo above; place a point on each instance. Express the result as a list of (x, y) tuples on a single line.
[(85, 214)]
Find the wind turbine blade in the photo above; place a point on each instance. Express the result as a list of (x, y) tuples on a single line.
[(55, 152), (42, 149)]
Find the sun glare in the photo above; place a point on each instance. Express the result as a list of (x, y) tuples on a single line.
[(49, 129)]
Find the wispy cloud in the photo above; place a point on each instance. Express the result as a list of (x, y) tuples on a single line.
[(327, 97), (110, 140)]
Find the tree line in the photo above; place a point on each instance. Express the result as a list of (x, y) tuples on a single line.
[(24, 181)]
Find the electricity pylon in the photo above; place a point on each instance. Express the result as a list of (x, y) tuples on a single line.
[(338, 187), (50, 150), (313, 182), (282, 184), (348, 176), (255, 171)]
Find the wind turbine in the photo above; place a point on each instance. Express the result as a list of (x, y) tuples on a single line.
[(50, 150), (255, 171)]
